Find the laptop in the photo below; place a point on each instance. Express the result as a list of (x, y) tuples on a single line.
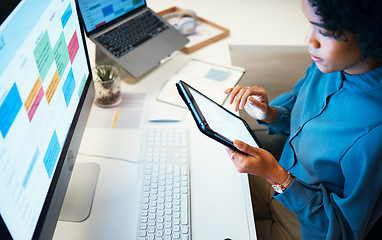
[(111, 23)]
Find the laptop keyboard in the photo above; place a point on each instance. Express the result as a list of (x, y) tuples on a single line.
[(165, 197), (132, 33)]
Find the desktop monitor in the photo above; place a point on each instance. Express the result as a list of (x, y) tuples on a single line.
[(45, 99)]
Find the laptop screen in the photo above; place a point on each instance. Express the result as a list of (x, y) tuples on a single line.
[(96, 13)]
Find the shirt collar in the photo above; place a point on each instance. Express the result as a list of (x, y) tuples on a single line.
[(365, 81)]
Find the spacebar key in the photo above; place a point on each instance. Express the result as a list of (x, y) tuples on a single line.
[(184, 209), (143, 39)]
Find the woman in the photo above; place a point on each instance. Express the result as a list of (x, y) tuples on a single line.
[(330, 170)]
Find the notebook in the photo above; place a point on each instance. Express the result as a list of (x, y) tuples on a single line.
[(111, 23)]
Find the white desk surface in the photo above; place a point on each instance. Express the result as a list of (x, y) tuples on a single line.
[(220, 205)]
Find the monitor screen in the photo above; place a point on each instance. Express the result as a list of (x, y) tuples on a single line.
[(44, 104), (96, 13)]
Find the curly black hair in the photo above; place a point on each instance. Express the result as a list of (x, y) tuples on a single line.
[(363, 18)]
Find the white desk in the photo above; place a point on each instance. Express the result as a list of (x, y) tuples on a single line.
[(220, 206)]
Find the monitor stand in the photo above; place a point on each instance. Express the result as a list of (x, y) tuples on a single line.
[(79, 196)]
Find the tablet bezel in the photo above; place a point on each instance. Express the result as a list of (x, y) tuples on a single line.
[(184, 92)]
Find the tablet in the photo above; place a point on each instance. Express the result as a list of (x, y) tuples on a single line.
[(214, 120)]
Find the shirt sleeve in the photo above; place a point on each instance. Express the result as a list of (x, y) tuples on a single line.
[(325, 215)]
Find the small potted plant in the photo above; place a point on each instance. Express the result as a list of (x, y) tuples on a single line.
[(107, 85)]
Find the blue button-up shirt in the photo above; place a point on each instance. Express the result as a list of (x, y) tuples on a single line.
[(334, 149)]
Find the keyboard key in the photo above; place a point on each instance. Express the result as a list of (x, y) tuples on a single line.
[(184, 208)]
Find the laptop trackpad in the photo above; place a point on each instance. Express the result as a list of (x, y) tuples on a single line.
[(146, 57), (154, 50)]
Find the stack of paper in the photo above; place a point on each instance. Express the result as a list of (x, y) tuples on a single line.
[(208, 78)]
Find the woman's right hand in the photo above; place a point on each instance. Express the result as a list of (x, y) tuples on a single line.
[(254, 100)]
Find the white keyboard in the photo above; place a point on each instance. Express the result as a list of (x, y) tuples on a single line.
[(165, 197)]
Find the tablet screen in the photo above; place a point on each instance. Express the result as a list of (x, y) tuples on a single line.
[(222, 121)]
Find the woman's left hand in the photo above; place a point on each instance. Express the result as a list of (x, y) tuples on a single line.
[(258, 162)]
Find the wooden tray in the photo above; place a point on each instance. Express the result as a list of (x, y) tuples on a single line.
[(197, 41)]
